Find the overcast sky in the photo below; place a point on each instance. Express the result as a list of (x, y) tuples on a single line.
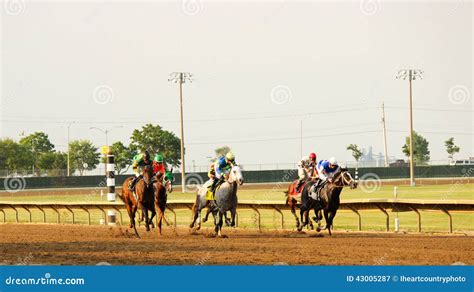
[(259, 69)]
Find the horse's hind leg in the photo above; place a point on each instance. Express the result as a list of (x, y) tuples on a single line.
[(228, 221), (160, 215), (233, 212), (208, 211), (293, 211), (194, 217)]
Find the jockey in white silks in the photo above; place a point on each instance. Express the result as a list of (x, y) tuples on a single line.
[(306, 167)]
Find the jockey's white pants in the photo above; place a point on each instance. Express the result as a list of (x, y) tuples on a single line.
[(301, 173)]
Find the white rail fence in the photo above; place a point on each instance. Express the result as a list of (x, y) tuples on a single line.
[(383, 205)]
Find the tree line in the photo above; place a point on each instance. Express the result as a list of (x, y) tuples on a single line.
[(421, 152), (37, 154)]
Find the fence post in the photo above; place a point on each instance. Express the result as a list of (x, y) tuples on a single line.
[(110, 166)]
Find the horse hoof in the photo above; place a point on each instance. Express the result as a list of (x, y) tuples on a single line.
[(318, 229)]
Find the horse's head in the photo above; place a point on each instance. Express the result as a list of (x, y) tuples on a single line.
[(235, 175), (344, 178), (168, 180), (148, 175)]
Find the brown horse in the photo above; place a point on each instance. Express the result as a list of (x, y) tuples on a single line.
[(329, 199), (293, 198), (162, 185), (143, 199)]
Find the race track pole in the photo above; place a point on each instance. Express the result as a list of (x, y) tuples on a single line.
[(110, 167)]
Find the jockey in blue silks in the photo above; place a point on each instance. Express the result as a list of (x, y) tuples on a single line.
[(326, 170), (222, 168)]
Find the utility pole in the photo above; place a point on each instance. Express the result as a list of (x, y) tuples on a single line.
[(384, 136), (181, 77), (68, 159), (301, 138), (411, 74)]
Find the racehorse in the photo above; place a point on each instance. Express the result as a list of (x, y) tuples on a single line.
[(293, 198), (161, 186), (329, 202), (143, 198), (226, 200)]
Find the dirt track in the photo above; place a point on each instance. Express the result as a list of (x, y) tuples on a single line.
[(91, 245)]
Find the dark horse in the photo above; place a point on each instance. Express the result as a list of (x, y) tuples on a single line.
[(144, 199), (293, 197), (162, 185), (330, 199)]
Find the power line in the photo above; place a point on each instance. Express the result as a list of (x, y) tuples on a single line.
[(283, 138), (10, 120)]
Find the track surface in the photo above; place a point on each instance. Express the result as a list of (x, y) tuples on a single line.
[(91, 245)]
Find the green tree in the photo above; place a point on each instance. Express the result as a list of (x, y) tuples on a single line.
[(156, 140), (13, 156), (221, 151), (421, 153), (451, 148), (123, 157), (83, 155), (356, 151), (38, 143), (53, 163)]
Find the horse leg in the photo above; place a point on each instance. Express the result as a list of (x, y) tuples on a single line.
[(153, 214), (331, 218), (208, 211), (303, 222), (194, 216), (307, 220), (160, 217), (326, 217), (228, 222), (134, 212), (130, 215), (221, 222), (293, 211), (144, 212), (318, 217), (233, 212)]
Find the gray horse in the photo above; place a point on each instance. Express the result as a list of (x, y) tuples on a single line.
[(226, 200)]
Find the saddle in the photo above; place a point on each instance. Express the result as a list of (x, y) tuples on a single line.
[(211, 196), (315, 191)]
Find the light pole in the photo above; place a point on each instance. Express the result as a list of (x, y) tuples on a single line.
[(106, 132), (384, 137), (411, 74), (68, 159), (180, 78)]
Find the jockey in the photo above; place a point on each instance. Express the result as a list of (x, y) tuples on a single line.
[(139, 162), (158, 165), (306, 168), (222, 168), (212, 175), (327, 169)]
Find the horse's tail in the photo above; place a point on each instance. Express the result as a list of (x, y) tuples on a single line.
[(120, 197)]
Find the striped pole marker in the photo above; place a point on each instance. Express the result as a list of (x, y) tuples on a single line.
[(110, 167)]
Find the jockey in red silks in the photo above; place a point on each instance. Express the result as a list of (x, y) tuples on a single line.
[(158, 165), (306, 169)]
